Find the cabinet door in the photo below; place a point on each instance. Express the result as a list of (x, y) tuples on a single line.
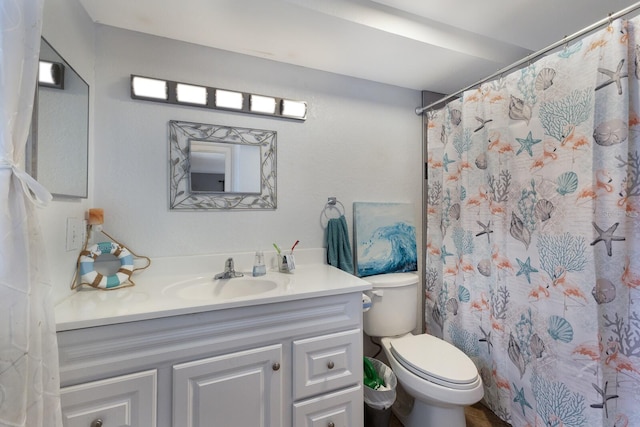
[(242, 389), (341, 409), (125, 401)]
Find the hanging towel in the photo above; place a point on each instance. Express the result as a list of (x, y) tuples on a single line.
[(338, 247)]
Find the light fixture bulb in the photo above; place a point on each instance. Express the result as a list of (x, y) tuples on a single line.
[(263, 104), (229, 99), (46, 73), (149, 88), (51, 74), (297, 109), (191, 94)]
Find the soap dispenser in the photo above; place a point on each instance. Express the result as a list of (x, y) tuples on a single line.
[(259, 269)]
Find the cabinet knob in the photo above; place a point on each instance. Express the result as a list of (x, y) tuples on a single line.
[(275, 366), (331, 424), (96, 423), (330, 365)]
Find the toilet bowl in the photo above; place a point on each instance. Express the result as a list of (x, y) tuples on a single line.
[(440, 377)]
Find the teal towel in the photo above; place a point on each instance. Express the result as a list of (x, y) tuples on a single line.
[(338, 247)]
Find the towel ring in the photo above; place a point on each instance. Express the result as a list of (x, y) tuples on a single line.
[(333, 204)]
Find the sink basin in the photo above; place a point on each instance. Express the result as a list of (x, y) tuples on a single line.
[(203, 288)]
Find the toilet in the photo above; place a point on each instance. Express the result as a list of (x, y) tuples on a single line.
[(440, 377)]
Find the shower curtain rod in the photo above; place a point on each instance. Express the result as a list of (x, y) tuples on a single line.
[(566, 40)]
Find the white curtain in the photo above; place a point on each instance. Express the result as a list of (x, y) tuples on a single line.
[(29, 374)]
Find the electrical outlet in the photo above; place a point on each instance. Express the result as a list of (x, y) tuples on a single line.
[(75, 233)]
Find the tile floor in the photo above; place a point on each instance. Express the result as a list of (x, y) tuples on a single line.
[(477, 416)]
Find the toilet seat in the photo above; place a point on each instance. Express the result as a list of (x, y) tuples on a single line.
[(435, 360)]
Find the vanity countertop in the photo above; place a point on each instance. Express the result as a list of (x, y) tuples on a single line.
[(151, 297)]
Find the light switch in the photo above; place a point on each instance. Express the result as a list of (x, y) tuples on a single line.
[(76, 230)]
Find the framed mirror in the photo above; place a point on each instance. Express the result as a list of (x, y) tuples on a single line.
[(58, 146), (221, 167)]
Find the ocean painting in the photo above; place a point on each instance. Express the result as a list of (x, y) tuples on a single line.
[(385, 237)]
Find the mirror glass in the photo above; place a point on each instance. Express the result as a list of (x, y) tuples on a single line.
[(57, 151), (224, 167), (221, 167)]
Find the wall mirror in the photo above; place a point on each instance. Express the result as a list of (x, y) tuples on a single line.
[(57, 150), (221, 167)]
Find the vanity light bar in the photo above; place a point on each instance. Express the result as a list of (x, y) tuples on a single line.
[(51, 74), (170, 92)]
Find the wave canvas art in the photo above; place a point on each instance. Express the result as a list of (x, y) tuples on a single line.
[(385, 237)]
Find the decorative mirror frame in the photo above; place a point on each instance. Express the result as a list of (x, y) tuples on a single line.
[(180, 195)]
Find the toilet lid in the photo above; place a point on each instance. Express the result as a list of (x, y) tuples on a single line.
[(435, 360), (392, 280)]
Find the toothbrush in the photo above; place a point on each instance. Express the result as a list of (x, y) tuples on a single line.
[(277, 249), (294, 245)]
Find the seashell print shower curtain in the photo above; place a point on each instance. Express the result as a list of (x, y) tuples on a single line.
[(533, 233)]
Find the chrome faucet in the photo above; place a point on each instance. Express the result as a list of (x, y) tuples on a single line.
[(229, 271)]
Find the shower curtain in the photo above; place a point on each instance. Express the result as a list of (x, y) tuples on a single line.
[(533, 233)]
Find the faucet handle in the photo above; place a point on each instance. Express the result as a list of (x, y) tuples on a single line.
[(229, 271)]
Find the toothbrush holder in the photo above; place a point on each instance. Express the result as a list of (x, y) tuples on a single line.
[(286, 263)]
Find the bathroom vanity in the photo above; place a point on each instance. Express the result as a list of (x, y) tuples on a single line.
[(289, 355)]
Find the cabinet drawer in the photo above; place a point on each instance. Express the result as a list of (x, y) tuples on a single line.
[(125, 401), (326, 363), (340, 409)]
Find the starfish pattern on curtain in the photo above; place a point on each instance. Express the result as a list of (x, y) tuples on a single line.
[(533, 233)]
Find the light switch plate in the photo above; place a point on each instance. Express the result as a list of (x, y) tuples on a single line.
[(75, 233)]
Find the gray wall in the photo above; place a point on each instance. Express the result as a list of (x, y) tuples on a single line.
[(68, 28), (361, 142)]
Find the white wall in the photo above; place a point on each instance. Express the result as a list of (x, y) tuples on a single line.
[(68, 28), (361, 142)]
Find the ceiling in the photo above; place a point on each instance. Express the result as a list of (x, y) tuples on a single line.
[(434, 45)]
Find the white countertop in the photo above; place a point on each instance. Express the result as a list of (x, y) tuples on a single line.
[(148, 299)]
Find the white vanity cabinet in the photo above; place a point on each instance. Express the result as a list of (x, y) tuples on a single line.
[(293, 363)]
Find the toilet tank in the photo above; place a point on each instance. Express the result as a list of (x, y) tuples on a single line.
[(393, 304)]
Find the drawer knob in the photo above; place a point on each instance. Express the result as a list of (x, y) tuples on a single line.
[(96, 423), (330, 365), (275, 366), (331, 424)]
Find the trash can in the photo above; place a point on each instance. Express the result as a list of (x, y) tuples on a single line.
[(379, 393)]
